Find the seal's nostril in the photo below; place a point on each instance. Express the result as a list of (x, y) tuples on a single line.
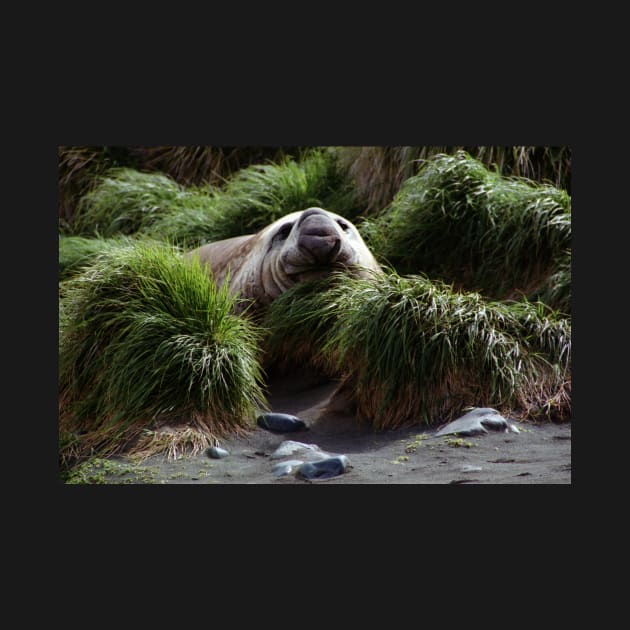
[(334, 250), (323, 249)]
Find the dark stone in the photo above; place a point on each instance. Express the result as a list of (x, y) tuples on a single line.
[(324, 468), (216, 453), (280, 422)]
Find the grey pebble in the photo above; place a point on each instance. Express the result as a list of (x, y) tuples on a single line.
[(286, 468), (280, 422), (324, 468), (289, 447), (217, 453)]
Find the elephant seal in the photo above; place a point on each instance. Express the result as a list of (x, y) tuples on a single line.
[(300, 246)]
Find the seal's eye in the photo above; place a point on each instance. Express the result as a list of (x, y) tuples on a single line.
[(284, 231), (343, 225)]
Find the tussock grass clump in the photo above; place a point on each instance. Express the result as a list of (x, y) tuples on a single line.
[(256, 196), (188, 227), (151, 358), (299, 321), (77, 252), (412, 350), (130, 202), (260, 194), (127, 201), (79, 169), (461, 223), (556, 289), (378, 172), (198, 165)]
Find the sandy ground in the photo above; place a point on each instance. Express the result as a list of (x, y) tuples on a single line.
[(539, 454)]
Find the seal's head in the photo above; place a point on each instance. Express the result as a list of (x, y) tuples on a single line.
[(300, 246), (311, 243)]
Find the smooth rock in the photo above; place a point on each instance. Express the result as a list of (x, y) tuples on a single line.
[(476, 422), (280, 422), (288, 448), (217, 453), (325, 468), (286, 468)]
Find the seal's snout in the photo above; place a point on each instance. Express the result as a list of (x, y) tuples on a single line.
[(322, 248), (311, 212), (319, 236)]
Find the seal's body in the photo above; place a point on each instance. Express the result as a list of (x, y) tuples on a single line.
[(298, 247)]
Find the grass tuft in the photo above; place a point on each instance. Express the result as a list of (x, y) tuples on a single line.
[(556, 289), (461, 223), (412, 350), (78, 252), (261, 194), (127, 201), (378, 172), (147, 341), (299, 321), (198, 165), (257, 195)]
